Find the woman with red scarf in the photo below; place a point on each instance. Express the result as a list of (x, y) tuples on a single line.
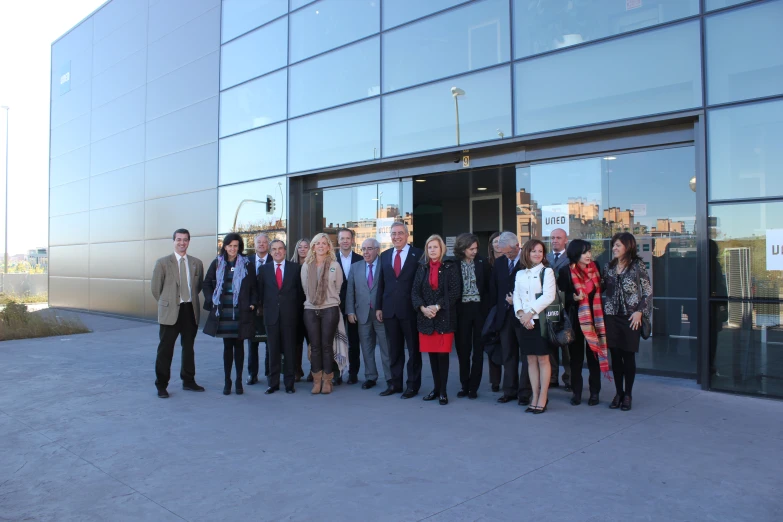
[(435, 291), (580, 280)]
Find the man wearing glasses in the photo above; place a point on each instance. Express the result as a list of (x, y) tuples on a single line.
[(362, 288)]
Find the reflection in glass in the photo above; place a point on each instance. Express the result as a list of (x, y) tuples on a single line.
[(544, 26), (648, 73), (253, 207), (240, 16), (745, 156), (710, 5), (342, 76), (335, 137), (296, 4), (257, 53), (460, 40), (253, 104), (739, 62), (252, 155), (434, 116), (331, 23), (396, 12), (746, 241)]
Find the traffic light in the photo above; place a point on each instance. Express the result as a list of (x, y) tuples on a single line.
[(270, 205)]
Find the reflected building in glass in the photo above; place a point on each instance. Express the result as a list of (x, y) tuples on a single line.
[(662, 118)]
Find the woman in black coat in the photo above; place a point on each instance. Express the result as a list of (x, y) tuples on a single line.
[(230, 295), (434, 295)]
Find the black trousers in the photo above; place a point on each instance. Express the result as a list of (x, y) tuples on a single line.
[(186, 329), (321, 327), (233, 354), (301, 337), (495, 372), (354, 347), (578, 350), (281, 340), (624, 371), (401, 333), (516, 381), (252, 359), (440, 372), (470, 351)]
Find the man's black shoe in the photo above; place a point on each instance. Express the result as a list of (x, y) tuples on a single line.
[(337, 381), (271, 390), (462, 393), (290, 390), (472, 395), (506, 398), (368, 384), (252, 379), (495, 388), (391, 390), (192, 387), (409, 394), (163, 394), (523, 401), (352, 379)]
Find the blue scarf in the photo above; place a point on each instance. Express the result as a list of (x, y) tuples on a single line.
[(240, 271)]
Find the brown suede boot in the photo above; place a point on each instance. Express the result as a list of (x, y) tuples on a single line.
[(326, 389), (317, 378)]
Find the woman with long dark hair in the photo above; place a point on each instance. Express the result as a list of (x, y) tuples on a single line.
[(580, 281), (628, 301), (230, 295), (492, 249)]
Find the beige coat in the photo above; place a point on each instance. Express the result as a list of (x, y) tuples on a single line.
[(165, 287)]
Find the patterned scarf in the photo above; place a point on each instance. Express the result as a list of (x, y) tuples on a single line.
[(240, 271), (593, 326)]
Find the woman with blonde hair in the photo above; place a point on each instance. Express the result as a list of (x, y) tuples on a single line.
[(322, 278), (301, 249), (435, 291)]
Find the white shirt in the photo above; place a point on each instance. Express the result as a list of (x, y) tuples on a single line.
[(403, 254), (346, 262), (527, 284), (187, 267)]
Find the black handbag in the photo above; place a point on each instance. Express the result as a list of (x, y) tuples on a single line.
[(555, 324), (646, 329)]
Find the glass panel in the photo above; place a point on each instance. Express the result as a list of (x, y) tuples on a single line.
[(431, 117), (352, 73), (745, 249), (649, 73), (460, 40), (744, 151), (331, 23), (253, 104), (396, 12), (254, 54), (740, 64), (745, 347), (710, 5), (543, 26), (344, 135), (251, 155), (240, 16), (244, 208), (296, 4)]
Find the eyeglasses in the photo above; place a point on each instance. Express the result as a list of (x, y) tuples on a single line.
[(368, 249)]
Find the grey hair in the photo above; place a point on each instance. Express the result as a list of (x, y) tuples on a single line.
[(375, 242), (400, 224), (261, 235), (507, 239)]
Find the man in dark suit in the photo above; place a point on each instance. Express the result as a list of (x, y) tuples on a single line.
[(282, 298), (258, 260), (516, 385), (395, 309), (346, 258), (558, 259)]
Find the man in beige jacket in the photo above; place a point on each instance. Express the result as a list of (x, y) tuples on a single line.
[(176, 285)]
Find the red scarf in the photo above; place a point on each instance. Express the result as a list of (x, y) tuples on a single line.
[(593, 326), (434, 267)]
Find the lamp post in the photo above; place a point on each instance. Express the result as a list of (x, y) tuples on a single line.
[(456, 92), (5, 248)]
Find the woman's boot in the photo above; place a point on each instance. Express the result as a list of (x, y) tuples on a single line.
[(326, 389), (317, 378), (227, 387)]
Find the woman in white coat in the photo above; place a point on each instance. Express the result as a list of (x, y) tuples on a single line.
[(534, 291)]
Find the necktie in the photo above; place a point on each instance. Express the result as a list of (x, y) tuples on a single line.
[(369, 277), (510, 266), (557, 256), (184, 291), (279, 277), (398, 263)]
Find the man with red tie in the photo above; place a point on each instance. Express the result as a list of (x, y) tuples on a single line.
[(282, 298), (395, 309)]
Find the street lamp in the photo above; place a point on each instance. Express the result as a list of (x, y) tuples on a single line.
[(5, 249), (456, 92)]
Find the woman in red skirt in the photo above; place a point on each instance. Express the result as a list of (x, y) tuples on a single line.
[(436, 289)]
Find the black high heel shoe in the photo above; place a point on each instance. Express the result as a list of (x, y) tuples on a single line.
[(539, 409), (616, 402), (531, 407), (443, 400), (227, 387)]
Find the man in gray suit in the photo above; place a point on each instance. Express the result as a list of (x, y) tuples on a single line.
[(558, 259), (176, 285), (360, 297)]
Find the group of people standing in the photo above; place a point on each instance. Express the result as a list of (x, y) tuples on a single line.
[(405, 298)]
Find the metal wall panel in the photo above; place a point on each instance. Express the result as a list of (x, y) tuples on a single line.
[(72, 229), (76, 62), (150, 304), (69, 199), (123, 223), (193, 170), (77, 39), (201, 247), (119, 79), (196, 211), (69, 167), (69, 261), (72, 104), (71, 136), (184, 45), (190, 84), (167, 15), (187, 128), (118, 187), (114, 15), (120, 44), (118, 115), (117, 260), (121, 150), (69, 292), (117, 296)]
